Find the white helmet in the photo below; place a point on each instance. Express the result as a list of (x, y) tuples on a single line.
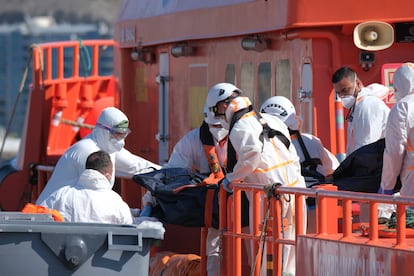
[(282, 108), (279, 106), (218, 93), (404, 80)]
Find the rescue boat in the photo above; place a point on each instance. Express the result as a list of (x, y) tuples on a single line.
[(166, 56)]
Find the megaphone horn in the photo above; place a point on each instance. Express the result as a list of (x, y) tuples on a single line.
[(373, 35)]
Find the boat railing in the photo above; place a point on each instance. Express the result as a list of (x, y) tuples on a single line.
[(53, 60), (333, 216)]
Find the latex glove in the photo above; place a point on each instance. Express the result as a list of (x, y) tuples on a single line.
[(225, 183), (387, 192), (146, 212)]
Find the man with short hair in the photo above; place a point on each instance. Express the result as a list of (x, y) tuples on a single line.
[(91, 199), (368, 113)]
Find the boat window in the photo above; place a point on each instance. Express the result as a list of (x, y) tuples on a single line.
[(264, 81), (230, 74), (197, 93), (283, 80), (247, 80)]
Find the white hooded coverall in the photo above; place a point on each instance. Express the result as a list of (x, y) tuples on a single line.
[(189, 153), (399, 138), (316, 150), (72, 163), (91, 199), (265, 163), (367, 122)]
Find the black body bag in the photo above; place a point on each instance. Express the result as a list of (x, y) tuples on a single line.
[(361, 170), (179, 205)]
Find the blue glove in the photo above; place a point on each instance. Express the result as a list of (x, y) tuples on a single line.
[(146, 212), (387, 192), (225, 183)]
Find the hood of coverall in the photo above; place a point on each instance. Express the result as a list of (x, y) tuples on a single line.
[(235, 105), (110, 117), (404, 80)]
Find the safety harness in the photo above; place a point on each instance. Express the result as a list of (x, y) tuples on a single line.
[(308, 167), (213, 162), (311, 163), (267, 131), (210, 150), (232, 159)]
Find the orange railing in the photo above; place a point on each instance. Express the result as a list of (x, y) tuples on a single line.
[(332, 208), (69, 74)]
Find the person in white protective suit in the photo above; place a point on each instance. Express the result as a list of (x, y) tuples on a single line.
[(190, 152), (399, 138), (367, 112), (91, 199), (264, 161), (108, 135), (283, 108)]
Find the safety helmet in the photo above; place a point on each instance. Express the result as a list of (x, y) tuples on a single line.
[(279, 106), (282, 108), (218, 93), (404, 80)]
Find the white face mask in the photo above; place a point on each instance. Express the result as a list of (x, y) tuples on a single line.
[(224, 123), (116, 144), (348, 101), (219, 133)]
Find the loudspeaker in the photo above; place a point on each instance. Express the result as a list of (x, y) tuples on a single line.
[(373, 35)]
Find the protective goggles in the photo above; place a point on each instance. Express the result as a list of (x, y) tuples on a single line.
[(117, 132), (215, 108)]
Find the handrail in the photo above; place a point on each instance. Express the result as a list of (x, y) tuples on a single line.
[(44, 57), (341, 199)]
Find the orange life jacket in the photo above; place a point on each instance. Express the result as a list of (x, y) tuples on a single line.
[(31, 208)]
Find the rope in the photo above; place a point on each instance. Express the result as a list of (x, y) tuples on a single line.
[(87, 66), (262, 239), (269, 190)]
